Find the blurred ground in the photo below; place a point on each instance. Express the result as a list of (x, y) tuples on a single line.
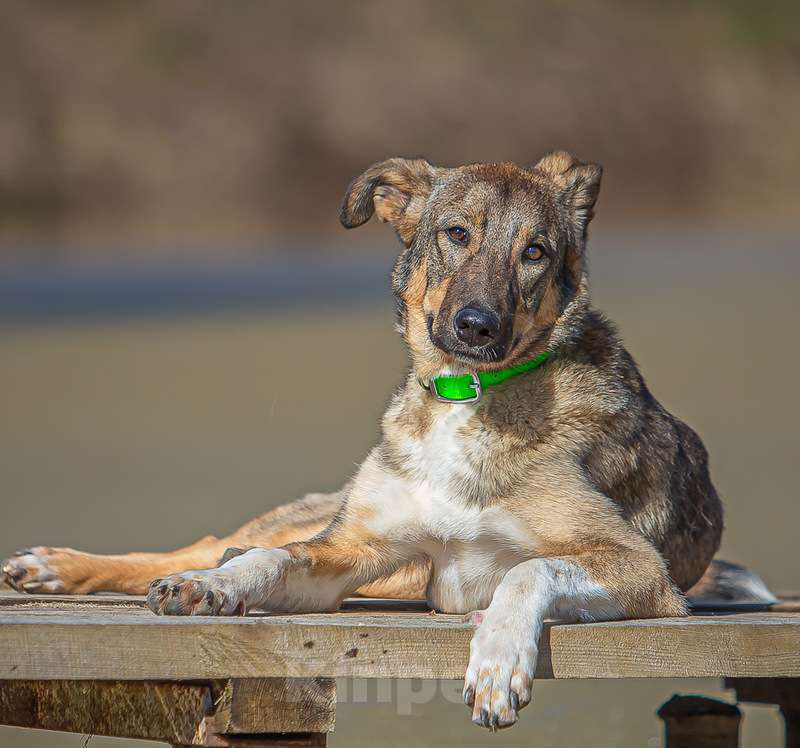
[(148, 433), (206, 127)]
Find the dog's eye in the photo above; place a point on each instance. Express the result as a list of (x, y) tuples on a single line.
[(533, 252), (458, 234)]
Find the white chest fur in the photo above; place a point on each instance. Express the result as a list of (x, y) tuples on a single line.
[(472, 546), (439, 457)]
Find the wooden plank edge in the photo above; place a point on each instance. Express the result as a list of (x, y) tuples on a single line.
[(202, 649)]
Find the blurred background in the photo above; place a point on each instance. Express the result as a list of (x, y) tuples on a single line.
[(173, 274)]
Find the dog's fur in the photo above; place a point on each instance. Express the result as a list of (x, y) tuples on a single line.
[(566, 492)]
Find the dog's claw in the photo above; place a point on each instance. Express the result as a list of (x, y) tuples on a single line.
[(469, 696)]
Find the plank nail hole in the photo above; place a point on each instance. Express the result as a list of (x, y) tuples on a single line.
[(351, 652), (308, 645)]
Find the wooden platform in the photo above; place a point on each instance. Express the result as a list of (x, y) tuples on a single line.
[(117, 639)]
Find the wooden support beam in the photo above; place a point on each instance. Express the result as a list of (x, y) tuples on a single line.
[(169, 712), (239, 714), (275, 740), (785, 692), (269, 705), (700, 722)]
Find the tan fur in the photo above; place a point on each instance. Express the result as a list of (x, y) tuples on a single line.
[(430, 359)]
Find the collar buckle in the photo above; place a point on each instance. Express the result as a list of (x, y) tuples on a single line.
[(475, 385)]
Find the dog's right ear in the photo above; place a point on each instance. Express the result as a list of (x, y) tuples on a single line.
[(577, 185), (395, 190)]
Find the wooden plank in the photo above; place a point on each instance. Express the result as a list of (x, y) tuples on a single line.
[(17, 600), (135, 645), (169, 712), (271, 740), (788, 602), (62, 603), (276, 705), (299, 713)]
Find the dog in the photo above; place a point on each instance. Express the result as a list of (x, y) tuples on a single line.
[(525, 471)]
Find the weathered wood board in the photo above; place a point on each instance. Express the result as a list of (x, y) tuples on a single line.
[(107, 638), (279, 705), (170, 712), (221, 714)]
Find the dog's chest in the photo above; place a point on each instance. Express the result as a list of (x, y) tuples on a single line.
[(450, 452), (471, 544), (471, 547)]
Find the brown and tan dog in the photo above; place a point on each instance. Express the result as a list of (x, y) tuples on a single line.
[(565, 491)]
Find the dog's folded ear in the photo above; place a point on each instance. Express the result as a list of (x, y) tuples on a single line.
[(577, 186), (395, 190)]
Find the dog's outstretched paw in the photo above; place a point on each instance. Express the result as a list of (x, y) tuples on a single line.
[(209, 592), (500, 674), (43, 570)]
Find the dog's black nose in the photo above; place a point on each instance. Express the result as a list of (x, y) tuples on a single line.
[(476, 327)]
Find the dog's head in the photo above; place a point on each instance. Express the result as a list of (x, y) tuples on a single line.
[(493, 253)]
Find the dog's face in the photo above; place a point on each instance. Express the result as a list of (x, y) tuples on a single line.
[(493, 252)]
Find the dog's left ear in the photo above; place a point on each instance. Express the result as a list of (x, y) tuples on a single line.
[(395, 190), (577, 186)]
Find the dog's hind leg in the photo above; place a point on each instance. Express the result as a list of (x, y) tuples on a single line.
[(42, 569), (65, 571)]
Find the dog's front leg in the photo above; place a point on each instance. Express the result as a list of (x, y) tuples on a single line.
[(601, 585), (367, 540)]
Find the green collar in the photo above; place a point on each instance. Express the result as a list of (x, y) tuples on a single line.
[(468, 388)]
